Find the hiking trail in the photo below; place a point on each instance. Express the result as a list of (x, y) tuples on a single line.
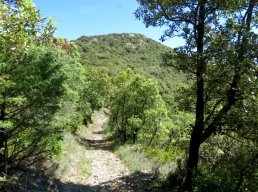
[(107, 171)]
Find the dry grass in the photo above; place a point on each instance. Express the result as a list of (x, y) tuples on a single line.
[(136, 160), (72, 162)]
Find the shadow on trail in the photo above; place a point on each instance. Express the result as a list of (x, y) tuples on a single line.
[(38, 182), (98, 132), (95, 144), (92, 144), (138, 182)]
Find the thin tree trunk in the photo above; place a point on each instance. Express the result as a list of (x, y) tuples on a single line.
[(3, 138), (154, 135), (135, 135)]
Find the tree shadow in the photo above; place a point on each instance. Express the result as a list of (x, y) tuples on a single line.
[(98, 132), (40, 182), (136, 182), (91, 144), (95, 144)]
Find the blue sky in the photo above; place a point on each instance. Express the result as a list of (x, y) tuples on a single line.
[(75, 18)]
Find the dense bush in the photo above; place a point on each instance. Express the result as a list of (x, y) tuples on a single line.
[(40, 85), (137, 109)]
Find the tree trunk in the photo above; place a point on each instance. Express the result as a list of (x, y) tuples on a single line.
[(195, 140), (3, 138), (135, 136), (124, 136), (239, 182), (154, 135), (192, 161)]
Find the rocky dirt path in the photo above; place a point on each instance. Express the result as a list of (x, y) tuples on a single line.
[(107, 171), (105, 165)]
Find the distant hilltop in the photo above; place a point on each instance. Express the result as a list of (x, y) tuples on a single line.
[(116, 52)]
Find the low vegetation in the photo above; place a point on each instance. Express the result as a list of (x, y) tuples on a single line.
[(72, 162)]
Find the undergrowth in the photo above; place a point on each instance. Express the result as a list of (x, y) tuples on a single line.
[(137, 160), (72, 158)]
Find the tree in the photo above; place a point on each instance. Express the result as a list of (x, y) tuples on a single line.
[(74, 107), (38, 80), (98, 87), (220, 50), (136, 108)]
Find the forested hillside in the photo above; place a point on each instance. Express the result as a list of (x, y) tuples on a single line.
[(117, 52)]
